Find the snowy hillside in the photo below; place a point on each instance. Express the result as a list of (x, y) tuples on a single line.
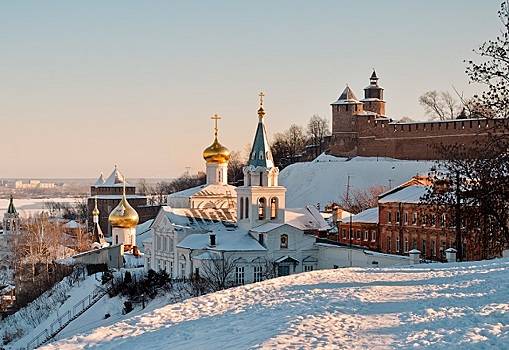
[(324, 180), (427, 306)]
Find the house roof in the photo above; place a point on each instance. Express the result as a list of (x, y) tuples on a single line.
[(234, 239), (206, 219), (409, 194), (369, 216), (304, 219), (213, 190)]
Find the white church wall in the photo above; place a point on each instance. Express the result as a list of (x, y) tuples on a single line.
[(331, 256)]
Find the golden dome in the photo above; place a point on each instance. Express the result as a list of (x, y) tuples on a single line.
[(95, 212), (216, 153), (123, 216)]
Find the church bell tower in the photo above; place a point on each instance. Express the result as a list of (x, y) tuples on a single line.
[(261, 199), (11, 221)]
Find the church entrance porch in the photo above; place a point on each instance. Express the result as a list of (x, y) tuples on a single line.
[(286, 265)]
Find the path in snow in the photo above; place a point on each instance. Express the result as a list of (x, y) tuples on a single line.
[(429, 306)]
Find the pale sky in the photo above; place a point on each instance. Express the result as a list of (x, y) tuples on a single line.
[(86, 85)]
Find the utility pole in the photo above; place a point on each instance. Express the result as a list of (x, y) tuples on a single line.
[(348, 189), (350, 250), (459, 241)]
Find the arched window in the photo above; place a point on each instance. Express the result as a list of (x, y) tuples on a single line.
[(241, 208), (182, 266), (261, 208), (273, 208), (246, 208), (283, 241)]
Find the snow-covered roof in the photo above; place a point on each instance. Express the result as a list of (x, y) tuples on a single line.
[(119, 196), (206, 219), (304, 219), (226, 240), (410, 194), (116, 179), (72, 224), (143, 233), (346, 97), (324, 180), (213, 190), (369, 216)]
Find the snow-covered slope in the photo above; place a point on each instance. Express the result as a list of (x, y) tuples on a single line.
[(324, 180), (428, 306)]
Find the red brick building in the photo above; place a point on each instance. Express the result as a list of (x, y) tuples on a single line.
[(361, 128), (401, 222), (361, 230)]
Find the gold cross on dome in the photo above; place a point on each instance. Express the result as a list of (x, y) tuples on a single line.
[(215, 118), (261, 94)]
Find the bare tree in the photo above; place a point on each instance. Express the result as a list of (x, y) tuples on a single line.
[(218, 272), (359, 200), (235, 166), (288, 145), (440, 105), (317, 130), (493, 71)]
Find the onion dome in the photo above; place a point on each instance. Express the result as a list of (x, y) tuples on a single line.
[(124, 216), (216, 153), (95, 212)]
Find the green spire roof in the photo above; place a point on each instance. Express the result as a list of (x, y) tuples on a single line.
[(260, 155), (11, 209)]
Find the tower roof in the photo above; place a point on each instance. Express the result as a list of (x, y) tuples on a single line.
[(216, 153), (373, 76), (11, 209), (347, 97), (260, 155), (123, 216), (99, 181), (116, 179)]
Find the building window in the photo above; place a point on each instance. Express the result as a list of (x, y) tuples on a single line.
[(261, 208), (171, 268), (442, 220), (308, 268), (258, 273), (273, 208), (283, 241), (414, 218), (405, 218), (358, 235), (241, 208), (246, 208), (433, 248), (433, 220), (116, 239), (397, 245), (344, 233), (423, 248), (182, 266), (414, 244), (366, 235), (398, 217), (239, 275), (261, 180), (389, 243), (405, 246), (373, 236), (389, 217)]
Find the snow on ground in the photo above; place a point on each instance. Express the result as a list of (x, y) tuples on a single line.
[(324, 180), (30, 206), (433, 306)]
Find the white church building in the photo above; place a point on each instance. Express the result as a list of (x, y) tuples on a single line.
[(253, 228)]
